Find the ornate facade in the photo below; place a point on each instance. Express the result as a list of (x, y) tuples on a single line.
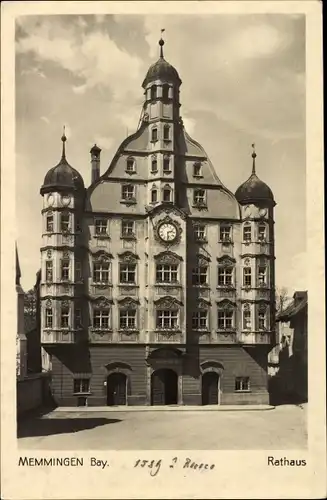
[(157, 282)]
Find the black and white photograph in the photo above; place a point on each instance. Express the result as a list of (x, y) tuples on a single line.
[(160, 245)]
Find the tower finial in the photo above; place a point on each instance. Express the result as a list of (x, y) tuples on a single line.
[(161, 43), (254, 155), (64, 139)]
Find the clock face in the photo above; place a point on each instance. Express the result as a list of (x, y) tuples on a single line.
[(167, 231), (65, 199)]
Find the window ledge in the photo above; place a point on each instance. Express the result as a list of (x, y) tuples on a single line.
[(128, 202), (227, 331), (200, 206), (167, 171), (99, 330), (199, 176), (226, 288), (130, 172), (101, 284), (82, 393), (168, 330), (201, 240), (205, 286), (226, 242), (128, 330), (128, 237), (153, 171), (170, 283), (102, 236), (201, 330), (131, 285), (243, 390)]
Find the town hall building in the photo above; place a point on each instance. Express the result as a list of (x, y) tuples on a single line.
[(157, 282)]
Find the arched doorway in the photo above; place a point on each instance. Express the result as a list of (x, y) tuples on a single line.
[(164, 387), (210, 388), (116, 389)]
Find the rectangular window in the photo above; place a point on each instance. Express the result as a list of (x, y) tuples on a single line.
[(64, 317), (166, 164), (49, 270), (262, 232), (127, 228), (154, 135), (166, 133), (247, 276), (262, 273), (101, 318), (48, 317), (101, 272), (78, 318), (166, 273), (225, 320), (65, 265), (127, 192), (101, 226), (247, 233), (78, 270), (262, 320), (199, 196), (225, 233), (49, 223), (130, 165), (127, 273), (242, 384), (154, 165), (199, 275), (167, 195), (154, 196), (81, 385), (199, 232), (167, 319), (200, 320), (197, 169), (225, 276), (64, 222), (127, 319), (246, 319)]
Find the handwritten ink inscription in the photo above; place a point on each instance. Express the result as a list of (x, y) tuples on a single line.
[(153, 466)]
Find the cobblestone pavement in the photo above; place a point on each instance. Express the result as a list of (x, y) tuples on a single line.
[(284, 427)]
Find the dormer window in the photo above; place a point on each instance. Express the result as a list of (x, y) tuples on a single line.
[(166, 164), (153, 92), (130, 165), (197, 169), (199, 196), (165, 91), (154, 164), (166, 133), (154, 134), (167, 194)]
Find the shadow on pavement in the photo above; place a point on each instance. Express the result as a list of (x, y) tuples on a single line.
[(48, 426)]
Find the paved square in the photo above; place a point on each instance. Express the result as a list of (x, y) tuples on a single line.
[(284, 427)]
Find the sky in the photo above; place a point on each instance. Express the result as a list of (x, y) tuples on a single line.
[(243, 82)]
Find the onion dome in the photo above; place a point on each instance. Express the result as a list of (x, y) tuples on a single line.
[(62, 177), (161, 70), (254, 190)]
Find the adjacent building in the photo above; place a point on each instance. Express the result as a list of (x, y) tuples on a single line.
[(157, 282)]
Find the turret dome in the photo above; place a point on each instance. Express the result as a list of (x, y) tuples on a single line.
[(162, 70), (254, 190), (62, 177)]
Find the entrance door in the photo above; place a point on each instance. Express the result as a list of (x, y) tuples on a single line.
[(210, 381), (164, 387), (116, 389)]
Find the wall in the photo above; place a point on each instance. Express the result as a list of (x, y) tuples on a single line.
[(32, 392)]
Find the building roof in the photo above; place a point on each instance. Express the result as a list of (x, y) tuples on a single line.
[(62, 177), (161, 70), (254, 190), (300, 301)]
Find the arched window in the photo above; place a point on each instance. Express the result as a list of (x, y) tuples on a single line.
[(154, 134), (153, 92), (166, 133), (154, 164), (167, 193), (247, 233), (165, 91), (246, 317)]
